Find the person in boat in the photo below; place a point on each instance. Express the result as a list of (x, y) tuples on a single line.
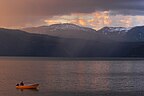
[(17, 84), (22, 84)]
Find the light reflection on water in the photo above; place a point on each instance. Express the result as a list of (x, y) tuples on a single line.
[(70, 77)]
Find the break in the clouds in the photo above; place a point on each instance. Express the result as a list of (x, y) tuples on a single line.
[(22, 13)]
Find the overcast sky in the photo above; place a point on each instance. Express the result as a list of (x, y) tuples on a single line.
[(91, 13)]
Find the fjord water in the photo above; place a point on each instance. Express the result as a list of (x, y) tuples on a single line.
[(72, 78)]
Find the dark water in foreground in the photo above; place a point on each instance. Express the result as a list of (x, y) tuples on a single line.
[(72, 78)]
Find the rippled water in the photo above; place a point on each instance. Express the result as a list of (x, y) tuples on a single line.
[(72, 78)]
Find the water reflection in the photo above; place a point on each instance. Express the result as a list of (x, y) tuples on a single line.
[(27, 90), (93, 76), (73, 78)]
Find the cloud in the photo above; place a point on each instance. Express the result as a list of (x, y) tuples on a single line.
[(97, 20), (61, 7), (94, 20), (20, 21), (33, 12)]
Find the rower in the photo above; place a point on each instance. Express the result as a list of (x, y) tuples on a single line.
[(22, 84)]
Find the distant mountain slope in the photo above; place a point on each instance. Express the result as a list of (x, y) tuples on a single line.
[(119, 30), (20, 43), (65, 31), (73, 31), (115, 33), (136, 34)]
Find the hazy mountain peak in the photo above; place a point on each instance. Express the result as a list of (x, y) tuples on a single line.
[(65, 24), (114, 29), (66, 30), (61, 26), (56, 26)]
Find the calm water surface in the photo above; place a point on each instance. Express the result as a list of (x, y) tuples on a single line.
[(72, 78)]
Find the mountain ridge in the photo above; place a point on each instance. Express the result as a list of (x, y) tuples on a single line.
[(67, 30), (64, 31), (21, 43)]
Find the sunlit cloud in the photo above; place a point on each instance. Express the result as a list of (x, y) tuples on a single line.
[(89, 13), (97, 20), (127, 21), (82, 22), (139, 20)]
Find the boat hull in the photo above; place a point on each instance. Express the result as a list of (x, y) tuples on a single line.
[(31, 86)]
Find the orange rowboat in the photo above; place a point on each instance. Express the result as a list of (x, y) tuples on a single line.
[(28, 86)]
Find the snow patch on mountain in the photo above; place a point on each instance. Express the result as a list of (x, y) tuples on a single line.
[(67, 26), (114, 29)]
